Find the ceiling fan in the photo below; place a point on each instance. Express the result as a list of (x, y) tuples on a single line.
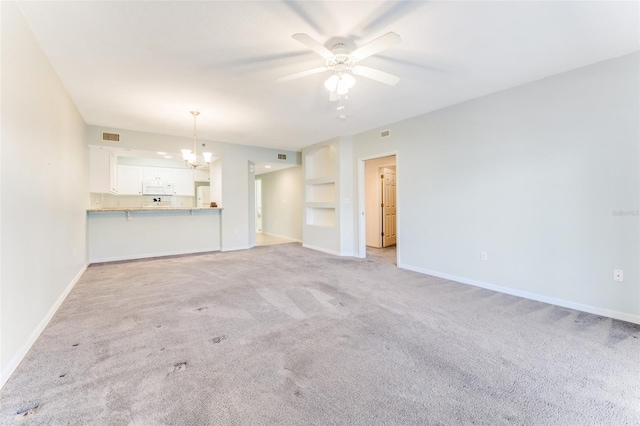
[(343, 63)]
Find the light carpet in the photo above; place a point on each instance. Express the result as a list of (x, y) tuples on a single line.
[(286, 335)]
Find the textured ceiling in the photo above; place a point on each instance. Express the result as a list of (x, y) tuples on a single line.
[(144, 65)]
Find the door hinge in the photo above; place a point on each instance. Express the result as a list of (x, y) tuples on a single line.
[(381, 176), (382, 234), (381, 204)]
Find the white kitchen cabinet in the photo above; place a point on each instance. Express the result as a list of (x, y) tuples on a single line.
[(157, 173), (202, 175), (129, 180), (102, 171), (183, 182)]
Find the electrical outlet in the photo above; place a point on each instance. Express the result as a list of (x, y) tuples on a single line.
[(483, 255), (618, 275)]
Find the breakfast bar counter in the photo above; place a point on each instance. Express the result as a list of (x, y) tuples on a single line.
[(123, 233)]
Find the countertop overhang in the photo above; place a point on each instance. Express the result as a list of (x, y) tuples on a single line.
[(150, 209)]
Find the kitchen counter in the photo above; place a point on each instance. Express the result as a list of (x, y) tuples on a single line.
[(160, 208), (123, 233)]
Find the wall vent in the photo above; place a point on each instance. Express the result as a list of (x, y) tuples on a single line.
[(110, 137), (385, 133), (282, 156)]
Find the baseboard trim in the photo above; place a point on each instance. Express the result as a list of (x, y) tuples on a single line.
[(623, 316), (151, 255), (293, 240), (17, 359), (322, 249), (237, 248)]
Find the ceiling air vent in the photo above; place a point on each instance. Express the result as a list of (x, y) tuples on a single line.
[(385, 133), (282, 156), (110, 137)]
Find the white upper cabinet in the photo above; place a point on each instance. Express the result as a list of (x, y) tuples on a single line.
[(102, 171), (202, 175), (183, 182), (157, 173), (129, 180)]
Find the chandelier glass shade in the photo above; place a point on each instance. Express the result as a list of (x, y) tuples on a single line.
[(191, 157), (340, 83)]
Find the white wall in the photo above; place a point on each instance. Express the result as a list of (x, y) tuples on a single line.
[(532, 175), (282, 203), (373, 199), (44, 186)]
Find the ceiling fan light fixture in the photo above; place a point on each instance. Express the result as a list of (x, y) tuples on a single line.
[(331, 83), (340, 83)]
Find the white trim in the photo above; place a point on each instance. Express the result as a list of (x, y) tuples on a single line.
[(362, 239), (322, 249), (150, 255), (18, 357), (623, 316), (247, 247), (293, 240)]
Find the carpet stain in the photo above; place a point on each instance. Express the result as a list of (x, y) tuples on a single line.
[(62, 375), (75, 344), (202, 309), (27, 412), (620, 331), (219, 339), (180, 366)]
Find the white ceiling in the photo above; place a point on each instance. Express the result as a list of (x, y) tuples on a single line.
[(144, 65)]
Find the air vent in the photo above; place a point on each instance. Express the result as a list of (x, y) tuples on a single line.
[(282, 156), (110, 137), (385, 133)]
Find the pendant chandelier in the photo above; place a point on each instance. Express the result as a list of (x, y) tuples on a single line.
[(191, 158)]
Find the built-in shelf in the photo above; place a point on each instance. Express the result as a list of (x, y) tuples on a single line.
[(321, 193), (320, 205), (320, 180), (321, 216), (320, 163)]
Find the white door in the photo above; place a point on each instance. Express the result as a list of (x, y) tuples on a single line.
[(388, 178)]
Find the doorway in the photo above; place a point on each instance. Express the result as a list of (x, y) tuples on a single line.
[(377, 194)]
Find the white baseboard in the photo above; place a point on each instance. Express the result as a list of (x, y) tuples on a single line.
[(17, 359), (293, 240), (623, 316), (322, 249), (150, 255), (236, 248)]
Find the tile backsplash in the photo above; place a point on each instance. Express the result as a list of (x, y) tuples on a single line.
[(101, 201)]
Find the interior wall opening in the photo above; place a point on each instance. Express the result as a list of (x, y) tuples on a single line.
[(379, 209)]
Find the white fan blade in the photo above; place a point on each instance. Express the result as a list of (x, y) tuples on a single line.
[(303, 74), (377, 75), (333, 96), (375, 46), (313, 45)]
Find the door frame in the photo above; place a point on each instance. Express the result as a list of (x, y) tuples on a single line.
[(362, 237)]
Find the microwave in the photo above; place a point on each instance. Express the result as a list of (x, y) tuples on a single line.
[(157, 187)]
